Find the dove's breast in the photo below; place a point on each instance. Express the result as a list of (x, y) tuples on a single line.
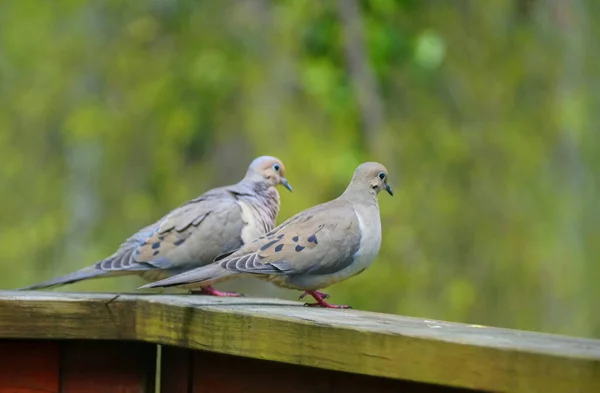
[(370, 239), (259, 214), (254, 226)]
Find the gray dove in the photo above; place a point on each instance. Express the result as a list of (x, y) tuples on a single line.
[(310, 251), (194, 234)]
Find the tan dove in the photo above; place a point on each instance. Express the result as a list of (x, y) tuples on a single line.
[(194, 234), (318, 247)]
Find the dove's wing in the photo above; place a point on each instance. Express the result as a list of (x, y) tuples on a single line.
[(189, 236), (321, 240)]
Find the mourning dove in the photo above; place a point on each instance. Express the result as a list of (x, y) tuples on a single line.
[(194, 234), (318, 247)]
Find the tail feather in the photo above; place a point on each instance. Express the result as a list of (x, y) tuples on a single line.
[(200, 277), (83, 274)]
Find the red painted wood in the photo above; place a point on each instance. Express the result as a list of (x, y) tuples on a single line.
[(176, 371), (29, 366), (215, 373), (107, 367)]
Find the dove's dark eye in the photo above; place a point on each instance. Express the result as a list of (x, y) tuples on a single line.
[(276, 167), (381, 175)]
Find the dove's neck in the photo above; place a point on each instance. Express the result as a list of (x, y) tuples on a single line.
[(252, 177), (364, 202), (360, 194), (260, 204)]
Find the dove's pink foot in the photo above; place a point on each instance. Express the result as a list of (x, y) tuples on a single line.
[(319, 297), (322, 294), (210, 291)]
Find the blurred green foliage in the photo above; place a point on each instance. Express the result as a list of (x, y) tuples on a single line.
[(113, 112)]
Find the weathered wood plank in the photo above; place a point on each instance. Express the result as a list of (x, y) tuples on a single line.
[(107, 367), (29, 366), (60, 316), (382, 345)]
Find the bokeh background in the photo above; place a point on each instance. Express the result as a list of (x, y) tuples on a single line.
[(486, 114)]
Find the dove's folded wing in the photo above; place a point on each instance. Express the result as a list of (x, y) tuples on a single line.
[(321, 240)]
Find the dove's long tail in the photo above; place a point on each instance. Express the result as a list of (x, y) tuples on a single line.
[(199, 277), (83, 274)]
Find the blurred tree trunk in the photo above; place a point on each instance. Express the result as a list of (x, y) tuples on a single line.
[(274, 68), (565, 25), (361, 73)]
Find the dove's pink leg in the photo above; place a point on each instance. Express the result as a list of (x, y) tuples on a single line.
[(320, 302), (322, 294), (210, 291)]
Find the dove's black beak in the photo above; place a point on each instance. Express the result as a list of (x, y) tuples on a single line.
[(286, 184), (389, 189)]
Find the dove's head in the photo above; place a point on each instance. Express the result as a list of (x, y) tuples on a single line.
[(268, 169), (371, 176)]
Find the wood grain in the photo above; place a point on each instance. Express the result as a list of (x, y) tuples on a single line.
[(381, 345)]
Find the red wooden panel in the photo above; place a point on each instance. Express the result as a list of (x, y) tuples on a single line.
[(176, 371), (215, 373), (28, 366), (107, 367)]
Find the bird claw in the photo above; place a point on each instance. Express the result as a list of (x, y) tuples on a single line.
[(322, 294), (319, 296)]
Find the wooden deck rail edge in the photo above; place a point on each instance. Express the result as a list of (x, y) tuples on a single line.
[(450, 354)]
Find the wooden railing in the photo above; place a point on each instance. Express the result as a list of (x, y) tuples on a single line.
[(85, 343)]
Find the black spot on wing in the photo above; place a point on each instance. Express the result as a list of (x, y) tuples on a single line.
[(295, 238), (299, 248), (279, 247), (155, 245), (280, 236), (179, 242), (155, 253), (312, 239), (269, 244)]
